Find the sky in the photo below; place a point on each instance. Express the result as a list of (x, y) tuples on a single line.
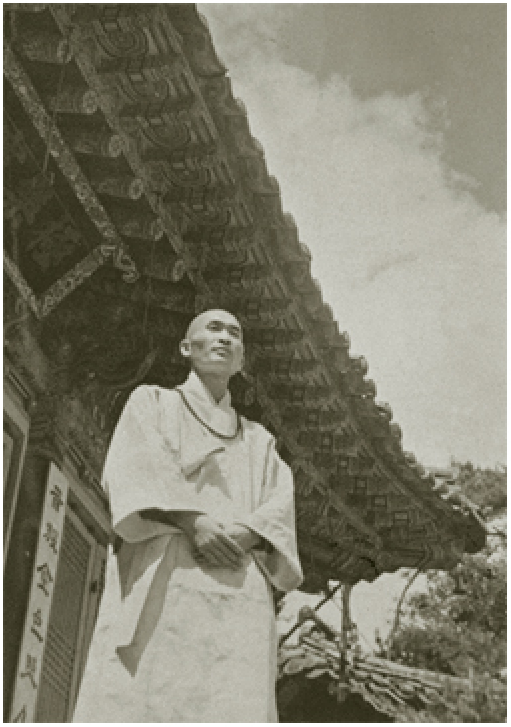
[(372, 607), (385, 126)]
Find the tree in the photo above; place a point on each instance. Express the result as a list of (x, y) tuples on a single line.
[(459, 626), (487, 488)]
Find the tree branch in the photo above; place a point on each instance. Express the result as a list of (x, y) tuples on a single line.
[(390, 638)]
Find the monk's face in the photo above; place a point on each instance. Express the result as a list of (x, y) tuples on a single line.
[(214, 343)]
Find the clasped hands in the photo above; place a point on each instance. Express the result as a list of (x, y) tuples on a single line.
[(219, 545), (213, 543)]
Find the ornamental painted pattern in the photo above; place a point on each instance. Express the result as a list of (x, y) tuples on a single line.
[(72, 279), (21, 284), (80, 42), (59, 151)]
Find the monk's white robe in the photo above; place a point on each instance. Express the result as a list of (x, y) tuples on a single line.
[(176, 641)]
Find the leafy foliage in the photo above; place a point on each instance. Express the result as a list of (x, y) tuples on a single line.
[(487, 488), (459, 626), (460, 623)]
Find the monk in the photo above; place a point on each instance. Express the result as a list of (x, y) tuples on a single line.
[(203, 512)]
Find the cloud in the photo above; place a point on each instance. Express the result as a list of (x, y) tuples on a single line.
[(379, 269), (412, 265)]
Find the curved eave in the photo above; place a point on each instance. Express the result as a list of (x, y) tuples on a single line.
[(175, 191)]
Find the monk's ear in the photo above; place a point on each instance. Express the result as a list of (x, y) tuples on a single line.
[(185, 348), (239, 368)]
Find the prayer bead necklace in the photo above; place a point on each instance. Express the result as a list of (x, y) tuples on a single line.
[(210, 429)]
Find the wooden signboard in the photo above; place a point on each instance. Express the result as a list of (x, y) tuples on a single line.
[(40, 599)]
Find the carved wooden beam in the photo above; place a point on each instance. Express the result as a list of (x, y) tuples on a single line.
[(131, 42), (40, 46), (79, 39), (60, 152), (108, 12), (135, 223), (197, 44)]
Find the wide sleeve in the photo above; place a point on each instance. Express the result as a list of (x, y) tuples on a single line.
[(274, 520), (142, 468)]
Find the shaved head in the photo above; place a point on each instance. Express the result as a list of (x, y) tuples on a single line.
[(200, 321), (214, 343)]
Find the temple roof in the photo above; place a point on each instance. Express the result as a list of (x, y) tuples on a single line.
[(135, 197), (401, 692)]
